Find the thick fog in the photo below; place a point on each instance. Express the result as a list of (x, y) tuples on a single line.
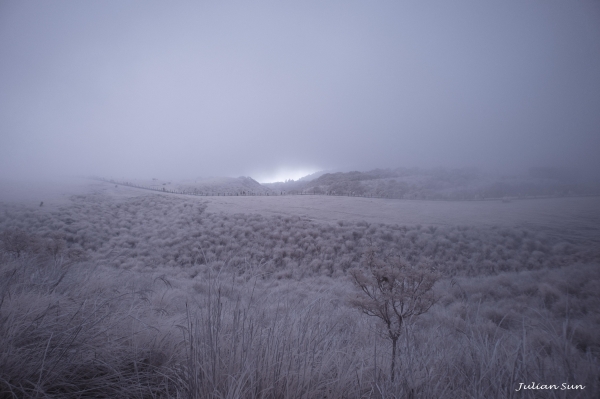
[(280, 89)]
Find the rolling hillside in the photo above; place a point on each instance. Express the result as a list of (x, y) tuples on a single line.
[(443, 184)]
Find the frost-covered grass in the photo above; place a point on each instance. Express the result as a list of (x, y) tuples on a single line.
[(153, 296), (69, 330), (151, 232)]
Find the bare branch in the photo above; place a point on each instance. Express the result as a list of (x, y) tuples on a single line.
[(392, 291)]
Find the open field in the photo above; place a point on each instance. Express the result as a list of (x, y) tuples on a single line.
[(574, 214), (117, 292), (579, 216)]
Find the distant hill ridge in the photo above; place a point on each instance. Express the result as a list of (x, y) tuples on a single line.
[(400, 183), (243, 185), (442, 184)]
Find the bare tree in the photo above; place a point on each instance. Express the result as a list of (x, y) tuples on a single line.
[(394, 292)]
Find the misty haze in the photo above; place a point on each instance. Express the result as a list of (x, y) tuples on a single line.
[(304, 200)]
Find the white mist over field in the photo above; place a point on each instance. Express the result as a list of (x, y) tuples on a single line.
[(272, 91)]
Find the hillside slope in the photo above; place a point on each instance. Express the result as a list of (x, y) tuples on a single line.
[(443, 184), (202, 186)]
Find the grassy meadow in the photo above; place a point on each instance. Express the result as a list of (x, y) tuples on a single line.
[(121, 293)]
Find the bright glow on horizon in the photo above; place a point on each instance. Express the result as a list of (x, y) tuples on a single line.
[(284, 174)]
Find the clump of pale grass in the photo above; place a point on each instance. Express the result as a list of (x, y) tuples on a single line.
[(256, 345), (58, 339)]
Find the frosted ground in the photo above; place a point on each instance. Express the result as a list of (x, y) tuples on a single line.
[(579, 216), (518, 294), (572, 214)]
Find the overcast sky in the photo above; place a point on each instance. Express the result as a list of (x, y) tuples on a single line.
[(158, 89)]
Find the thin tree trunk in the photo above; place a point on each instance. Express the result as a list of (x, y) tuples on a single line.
[(393, 366)]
